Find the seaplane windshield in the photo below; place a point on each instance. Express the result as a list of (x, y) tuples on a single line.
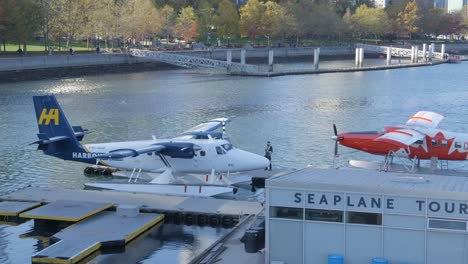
[(227, 147)]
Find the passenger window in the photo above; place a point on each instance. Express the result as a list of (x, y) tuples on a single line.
[(202, 153), (434, 142), (444, 143), (457, 145), (150, 153), (219, 150)]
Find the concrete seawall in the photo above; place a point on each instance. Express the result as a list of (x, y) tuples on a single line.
[(60, 66)]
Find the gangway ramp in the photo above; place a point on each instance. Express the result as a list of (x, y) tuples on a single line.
[(105, 230), (398, 52), (195, 62)]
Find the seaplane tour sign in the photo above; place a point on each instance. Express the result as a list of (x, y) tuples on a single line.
[(364, 202)]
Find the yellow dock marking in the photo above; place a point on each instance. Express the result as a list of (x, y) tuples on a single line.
[(144, 228), (67, 219), (24, 210)]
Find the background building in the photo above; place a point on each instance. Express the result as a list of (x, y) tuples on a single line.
[(363, 214)]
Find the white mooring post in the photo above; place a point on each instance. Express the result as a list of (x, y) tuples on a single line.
[(270, 60), (242, 56), (412, 54), (431, 50), (389, 55), (229, 59), (357, 57), (361, 56), (316, 58), (424, 52), (416, 54), (442, 50)]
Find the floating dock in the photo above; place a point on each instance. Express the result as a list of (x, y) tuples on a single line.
[(10, 211), (92, 227), (106, 229), (66, 210)]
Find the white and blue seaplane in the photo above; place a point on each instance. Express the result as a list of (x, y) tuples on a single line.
[(198, 162)]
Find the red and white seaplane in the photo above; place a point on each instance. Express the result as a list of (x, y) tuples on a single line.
[(419, 139)]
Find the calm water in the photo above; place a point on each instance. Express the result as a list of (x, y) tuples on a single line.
[(296, 113)]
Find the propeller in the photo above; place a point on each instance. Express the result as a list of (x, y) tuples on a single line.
[(335, 137)]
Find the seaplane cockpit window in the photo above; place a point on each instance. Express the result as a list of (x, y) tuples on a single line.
[(227, 147), (457, 145), (202, 153), (219, 150)]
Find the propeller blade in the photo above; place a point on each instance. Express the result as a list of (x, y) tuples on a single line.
[(335, 130), (336, 148)]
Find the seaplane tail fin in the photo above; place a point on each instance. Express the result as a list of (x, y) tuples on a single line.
[(56, 137)]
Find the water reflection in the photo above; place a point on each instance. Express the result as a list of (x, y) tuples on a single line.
[(170, 243)]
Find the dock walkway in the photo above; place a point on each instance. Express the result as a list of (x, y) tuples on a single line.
[(148, 202)]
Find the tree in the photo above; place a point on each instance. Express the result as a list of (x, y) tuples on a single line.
[(140, 20), (168, 17), (367, 21), (186, 24), (409, 18), (251, 18), (316, 18), (272, 19), (465, 18), (435, 23), (206, 16), (227, 19), (21, 20), (453, 24)]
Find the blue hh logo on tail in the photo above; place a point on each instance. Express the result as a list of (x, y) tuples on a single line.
[(52, 115)]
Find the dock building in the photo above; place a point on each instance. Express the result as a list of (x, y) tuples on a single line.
[(363, 215)]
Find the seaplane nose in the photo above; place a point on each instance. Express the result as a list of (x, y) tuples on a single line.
[(253, 161)]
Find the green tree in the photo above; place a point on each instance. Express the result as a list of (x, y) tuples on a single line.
[(168, 17), (316, 18), (408, 19), (21, 20), (186, 24), (206, 16), (227, 19)]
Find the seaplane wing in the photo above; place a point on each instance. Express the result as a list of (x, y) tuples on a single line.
[(183, 150), (208, 126), (401, 137), (123, 153), (425, 119)]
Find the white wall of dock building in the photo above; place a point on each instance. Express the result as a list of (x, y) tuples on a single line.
[(403, 236)]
